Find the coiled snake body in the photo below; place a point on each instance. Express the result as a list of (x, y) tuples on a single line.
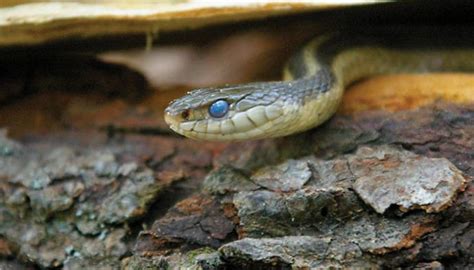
[(314, 83)]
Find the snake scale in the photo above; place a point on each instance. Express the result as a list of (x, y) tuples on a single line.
[(314, 82)]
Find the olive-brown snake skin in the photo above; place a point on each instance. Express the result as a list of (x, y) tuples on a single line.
[(315, 78)]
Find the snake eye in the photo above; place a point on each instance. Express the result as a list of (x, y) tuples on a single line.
[(219, 108)]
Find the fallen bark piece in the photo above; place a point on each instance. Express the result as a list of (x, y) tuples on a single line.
[(324, 192), (196, 221), (68, 205), (136, 262), (355, 244), (227, 180), (287, 251), (379, 235), (291, 175), (387, 176), (6, 264)]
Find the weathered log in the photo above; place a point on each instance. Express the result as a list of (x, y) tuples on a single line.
[(370, 204), (91, 177)]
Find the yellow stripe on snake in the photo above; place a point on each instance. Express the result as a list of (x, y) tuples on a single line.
[(314, 83)]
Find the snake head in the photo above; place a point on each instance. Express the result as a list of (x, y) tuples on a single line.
[(229, 113)]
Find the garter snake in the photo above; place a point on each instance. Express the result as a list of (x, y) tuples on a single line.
[(314, 82)]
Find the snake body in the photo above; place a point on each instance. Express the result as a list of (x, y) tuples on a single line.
[(314, 82)]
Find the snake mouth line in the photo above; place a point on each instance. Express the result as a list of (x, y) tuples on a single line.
[(234, 135), (254, 120), (178, 128)]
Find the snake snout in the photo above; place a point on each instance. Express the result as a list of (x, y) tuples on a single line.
[(171, 120)]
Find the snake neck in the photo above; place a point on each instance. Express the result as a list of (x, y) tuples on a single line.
[(331, 63), (350, 58)]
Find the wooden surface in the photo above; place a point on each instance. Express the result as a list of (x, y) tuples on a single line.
[(33, 23), (91, 176)]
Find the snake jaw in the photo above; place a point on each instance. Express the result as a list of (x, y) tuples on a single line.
[(255, 110), (236, 126)]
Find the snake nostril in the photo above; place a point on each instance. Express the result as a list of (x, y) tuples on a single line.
[(185, 114)]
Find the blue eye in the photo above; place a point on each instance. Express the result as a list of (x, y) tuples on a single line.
[(219, 108)]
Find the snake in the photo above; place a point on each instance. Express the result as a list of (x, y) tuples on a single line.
[(313, 83)]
